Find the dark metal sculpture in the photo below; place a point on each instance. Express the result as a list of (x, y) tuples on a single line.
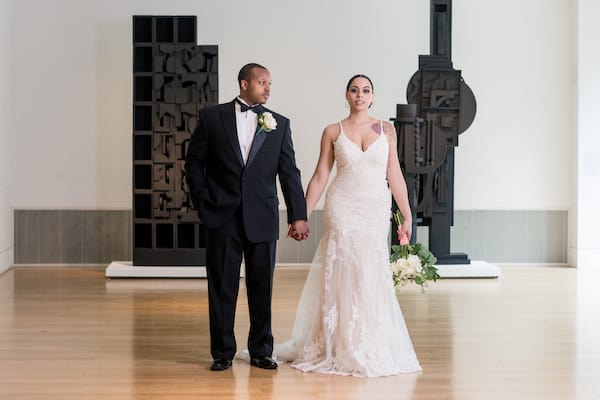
[(441, 106), (173, 79)]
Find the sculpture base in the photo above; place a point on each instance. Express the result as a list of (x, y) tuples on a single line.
[(453, 258), (476, 269), (125, 269)]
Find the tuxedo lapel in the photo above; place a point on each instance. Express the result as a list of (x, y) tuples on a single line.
[(228, 118), (259, 139)]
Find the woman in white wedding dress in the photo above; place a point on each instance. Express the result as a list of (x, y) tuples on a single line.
[(348, 320)]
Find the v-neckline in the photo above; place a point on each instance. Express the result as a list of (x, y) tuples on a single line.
[(359, 148)]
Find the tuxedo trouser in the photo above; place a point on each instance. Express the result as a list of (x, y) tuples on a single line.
[(224, 248)]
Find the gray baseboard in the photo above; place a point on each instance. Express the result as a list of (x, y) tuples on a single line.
[(72, 236), (511, 236), (102, 236)]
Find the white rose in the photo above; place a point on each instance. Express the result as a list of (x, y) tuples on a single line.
[(409, 267), (415, 263), (396, 267), (404, 267), (268, 122)]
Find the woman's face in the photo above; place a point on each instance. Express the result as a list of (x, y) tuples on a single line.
[(360, 94)]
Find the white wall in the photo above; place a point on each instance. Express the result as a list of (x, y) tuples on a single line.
[(72, 74), (574, 150), (5, 214), (588, 150), (515, 55)]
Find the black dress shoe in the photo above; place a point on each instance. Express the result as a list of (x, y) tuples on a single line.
[(265, 362), (220, 364)]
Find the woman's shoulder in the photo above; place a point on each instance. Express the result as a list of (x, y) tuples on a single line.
[(389, 131), (333, 127), (332, 131), (388, 127), (381, 126)]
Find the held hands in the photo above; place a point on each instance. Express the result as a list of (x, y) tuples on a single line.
[(299, 230)]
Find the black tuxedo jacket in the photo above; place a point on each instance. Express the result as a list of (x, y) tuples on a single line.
[(220, 183)]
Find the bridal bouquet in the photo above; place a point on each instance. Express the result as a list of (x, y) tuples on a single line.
[(411, 262)]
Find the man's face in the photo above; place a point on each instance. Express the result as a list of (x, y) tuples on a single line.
[(258, 88)]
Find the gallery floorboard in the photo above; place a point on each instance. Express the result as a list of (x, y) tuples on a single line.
[(68, 333)]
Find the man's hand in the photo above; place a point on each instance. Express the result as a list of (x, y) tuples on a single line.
[(299, 230)]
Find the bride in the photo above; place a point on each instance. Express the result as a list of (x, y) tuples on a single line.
[(348, 320)]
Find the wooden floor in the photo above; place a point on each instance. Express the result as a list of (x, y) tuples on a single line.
[(67, 333)]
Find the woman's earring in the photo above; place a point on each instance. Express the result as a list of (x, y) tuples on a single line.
[(347, 104), (371, 105)]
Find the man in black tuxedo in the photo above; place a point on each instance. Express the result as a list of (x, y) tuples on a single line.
[(236, 151)]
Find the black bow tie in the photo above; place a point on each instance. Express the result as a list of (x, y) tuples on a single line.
[(257, 108)]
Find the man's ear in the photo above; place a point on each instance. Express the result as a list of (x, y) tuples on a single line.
[(244, 85)]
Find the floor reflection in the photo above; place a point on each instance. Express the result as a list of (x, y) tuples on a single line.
[(68, 333)]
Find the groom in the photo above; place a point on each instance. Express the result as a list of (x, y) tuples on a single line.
[(234, 155)]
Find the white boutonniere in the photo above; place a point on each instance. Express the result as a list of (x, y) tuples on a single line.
[(266, 122)]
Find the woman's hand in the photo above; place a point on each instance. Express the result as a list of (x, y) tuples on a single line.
[(405, 232)]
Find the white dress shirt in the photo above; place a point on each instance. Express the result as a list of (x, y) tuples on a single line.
[(246, 123)]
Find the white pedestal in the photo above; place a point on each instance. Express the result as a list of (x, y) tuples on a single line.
[(477, 269), (125, 269)]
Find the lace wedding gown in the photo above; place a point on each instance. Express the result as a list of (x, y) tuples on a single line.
[(348, 320)]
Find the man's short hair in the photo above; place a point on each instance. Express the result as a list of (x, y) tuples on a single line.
[(246, 72)]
